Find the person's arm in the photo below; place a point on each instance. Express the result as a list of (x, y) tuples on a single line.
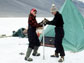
[(50, 22), (53, 22)]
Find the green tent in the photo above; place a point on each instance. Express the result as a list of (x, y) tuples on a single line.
[(73, 27)]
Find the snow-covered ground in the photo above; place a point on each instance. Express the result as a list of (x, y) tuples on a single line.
[(11, 47)]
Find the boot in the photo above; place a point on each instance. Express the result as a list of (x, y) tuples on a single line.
[(35, 51), (55, 55), (28, 59), (61, 59), (28, 54)]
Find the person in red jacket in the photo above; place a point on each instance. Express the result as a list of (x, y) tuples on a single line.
[(34, 42)]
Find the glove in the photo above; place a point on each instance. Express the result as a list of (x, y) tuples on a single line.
[(44, 21), (41, 23)]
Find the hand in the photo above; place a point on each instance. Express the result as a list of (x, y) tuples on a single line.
[(42, 23), (45, 20)]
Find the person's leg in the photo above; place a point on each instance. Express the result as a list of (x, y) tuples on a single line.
[(60, 46), (35, 52), (60, 49), (28, 53), (57, 47), (30, 47), (29, 50), (62, 53), (56, 54), (36, 45)]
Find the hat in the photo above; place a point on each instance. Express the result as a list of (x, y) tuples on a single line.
[(53, 8), (33, 10)]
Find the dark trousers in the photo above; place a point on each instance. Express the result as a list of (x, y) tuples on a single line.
[(33, 38), (58, 40)]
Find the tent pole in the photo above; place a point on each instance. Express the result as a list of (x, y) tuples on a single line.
[(43, 44)]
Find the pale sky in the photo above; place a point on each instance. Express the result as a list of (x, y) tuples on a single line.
[(81, 0)]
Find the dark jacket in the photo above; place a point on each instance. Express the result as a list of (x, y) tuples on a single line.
[(57, 21), (59, 33)]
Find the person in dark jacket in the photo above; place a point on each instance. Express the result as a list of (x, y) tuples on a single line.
[(34, 42), (59, 32)]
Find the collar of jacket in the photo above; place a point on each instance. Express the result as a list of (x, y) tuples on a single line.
[(32, 15)]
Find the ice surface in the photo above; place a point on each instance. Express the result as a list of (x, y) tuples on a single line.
[(11, 47)]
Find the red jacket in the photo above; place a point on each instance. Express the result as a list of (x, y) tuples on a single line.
[(32, 21)]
